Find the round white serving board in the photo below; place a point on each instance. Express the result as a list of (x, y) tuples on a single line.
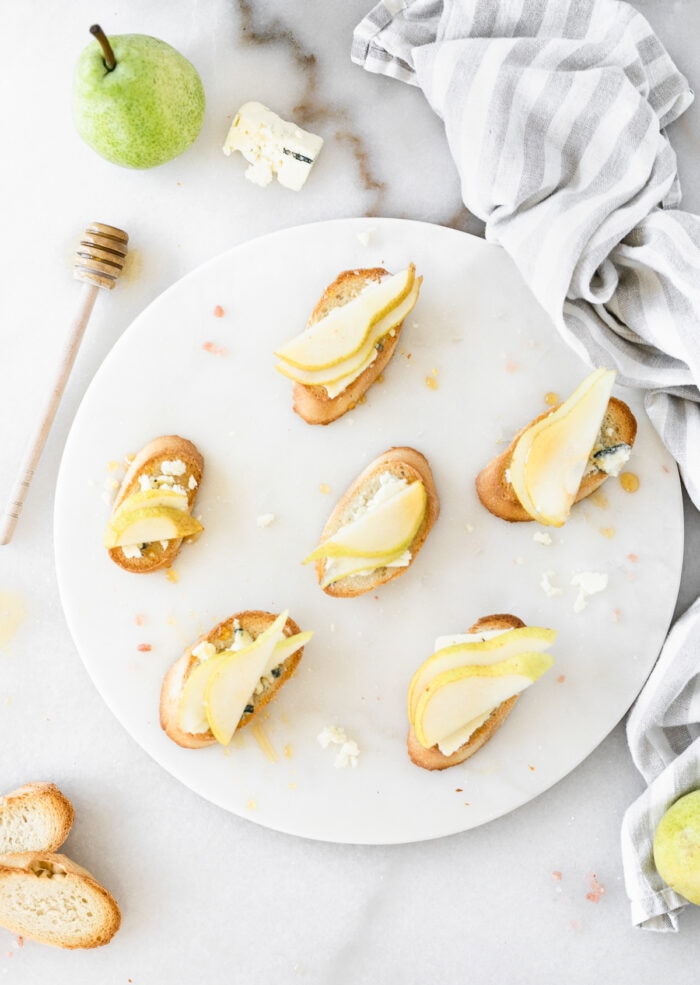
[(476, 358)]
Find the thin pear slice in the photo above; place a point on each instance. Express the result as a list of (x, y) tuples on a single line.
[(344, 330), (508, 643), (337, 377), (234, 679), (344, 567), (192, 713), (387, 528), (550, 457), (153, 497), (148, 524), (460, 695)]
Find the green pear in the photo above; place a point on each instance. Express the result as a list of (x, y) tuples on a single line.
[(460, 695), (677, 846), (550, 457), (148, 524), (508, 643), (344, 330), (386, 529), (136, 100)]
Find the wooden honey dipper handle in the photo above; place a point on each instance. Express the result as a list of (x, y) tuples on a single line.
[(98, 262)]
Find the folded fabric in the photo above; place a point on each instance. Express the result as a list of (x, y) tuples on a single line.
[(555, 115)]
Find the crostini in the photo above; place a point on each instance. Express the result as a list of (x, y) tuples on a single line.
[(34, 817), (562, 456), (152, 511), (48, 898), (223, 681), (349, 339), (463, 693), (378, 525)]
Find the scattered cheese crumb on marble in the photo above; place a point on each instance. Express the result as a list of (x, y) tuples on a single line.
[(265, 519), (542, 537), (547, 585), (349, 752), (588, 583)]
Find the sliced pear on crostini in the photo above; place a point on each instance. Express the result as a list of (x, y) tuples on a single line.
[(335, 378), (387, 528), (344, 330), (148, 524), (175, 498), (337, 568), (508, 643), (463, 694), (550, 457), (234, 679), (192, 711)]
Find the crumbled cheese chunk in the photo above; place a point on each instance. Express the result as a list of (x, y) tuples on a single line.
[(265, 519), (204, 650), (542, 537), (131, 551), (349, 755), (589, 583), (191, 482), (547, 585), (331, 734), (272, 146), (175, 467)]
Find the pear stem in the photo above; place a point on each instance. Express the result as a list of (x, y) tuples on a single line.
[(100, 36)]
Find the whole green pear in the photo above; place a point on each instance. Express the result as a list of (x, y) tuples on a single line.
[(136, 100), (677, 846)]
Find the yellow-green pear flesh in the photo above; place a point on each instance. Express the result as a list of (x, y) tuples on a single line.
[(154, 498), (235, 678), (677, 846), (387, 528), (344, 330), (337, 568), (336, 378), (550, 457), (458, 696), (148, 524), (508, 643), (192, 713)]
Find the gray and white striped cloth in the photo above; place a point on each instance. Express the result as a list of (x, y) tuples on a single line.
[(555, 114)]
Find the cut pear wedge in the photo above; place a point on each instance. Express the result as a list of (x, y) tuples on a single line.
[(387, 528), (455, 697), (338, 568), (192, 710), (149, 523), (550, 457), (336, 378), (345, 329), (477, 652), (154, 498)]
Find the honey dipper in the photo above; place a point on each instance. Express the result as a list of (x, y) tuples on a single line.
[(98, 262)]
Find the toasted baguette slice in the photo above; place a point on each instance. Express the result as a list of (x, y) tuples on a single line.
[(255, 622), (405, 463), (34, 818), (49, 899), (312, 403), (149, 462), (619, 426), (433, 759)]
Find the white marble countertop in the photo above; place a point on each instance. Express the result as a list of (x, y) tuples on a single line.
[(205, 894)]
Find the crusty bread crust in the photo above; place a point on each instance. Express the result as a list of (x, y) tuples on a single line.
[(433, 759), (255, 621), (312, 403), (50, 899), (36, 817), (148, 462), (496, 493), (405, 463)]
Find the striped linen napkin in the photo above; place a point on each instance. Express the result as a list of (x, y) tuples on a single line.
[(555, 115)]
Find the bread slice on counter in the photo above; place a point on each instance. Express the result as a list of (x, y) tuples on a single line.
[(400, 462), (433, 759), (151, 465), (313, 403), (496, 493), (33, 818), (222, 637), (47, 898)]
